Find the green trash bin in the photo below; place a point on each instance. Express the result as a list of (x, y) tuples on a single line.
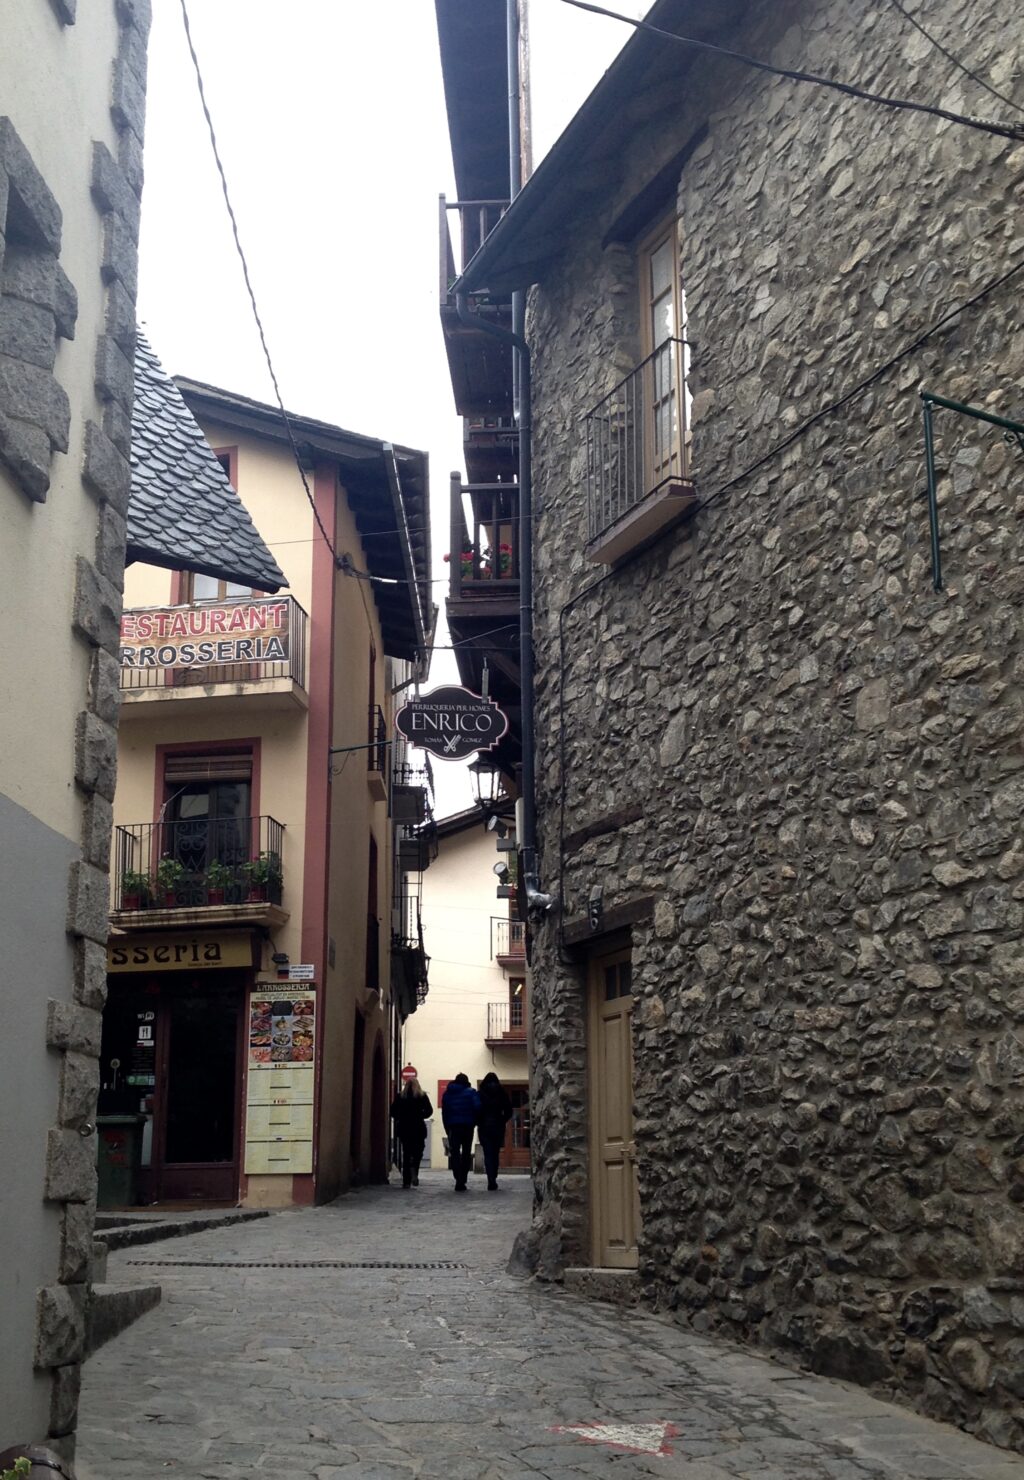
[(119, 1155)]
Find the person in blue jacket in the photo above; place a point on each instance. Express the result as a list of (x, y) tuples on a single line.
[(460, 1111)]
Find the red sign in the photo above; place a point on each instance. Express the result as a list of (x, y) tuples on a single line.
[(409, 1072)]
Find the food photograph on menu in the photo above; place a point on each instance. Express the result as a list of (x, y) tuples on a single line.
[(281, 1030)]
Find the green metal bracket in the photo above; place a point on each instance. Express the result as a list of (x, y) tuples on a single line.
[(1012, 431)]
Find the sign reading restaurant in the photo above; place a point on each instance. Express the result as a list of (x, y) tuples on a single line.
[(193, 636), (452, 723)]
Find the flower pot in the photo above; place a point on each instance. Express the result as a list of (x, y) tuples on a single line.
[(257, 894), (215, 896), (131, 901)]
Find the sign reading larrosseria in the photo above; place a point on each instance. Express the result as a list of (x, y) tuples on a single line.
[(452, 723), (195, 636)]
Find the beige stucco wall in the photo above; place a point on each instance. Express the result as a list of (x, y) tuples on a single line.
[(446, 1035), (55, 87)]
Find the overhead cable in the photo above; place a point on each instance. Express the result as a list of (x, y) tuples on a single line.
[(248, 281), (1001, 130), (955, 59)]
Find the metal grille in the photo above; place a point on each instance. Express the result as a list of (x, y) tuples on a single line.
[(296, 1264)]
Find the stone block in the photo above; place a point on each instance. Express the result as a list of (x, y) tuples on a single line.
[(130, 158), (79, 1088), (118, 426), (88, 902), (25, 450), (95, 755), (30, 393), (73, 1028), (137, 14), (111, 545), (120, 255), (28, 331), (67, 1384), (110, 188), (65, 12), (97, 826), (114, 374), (96, 614), (60, 1325), (128, 101), (133, 52), (105, 686), (30, 276), (39, 215), (76, 1242), (70, 1167), (106, 470), (90, 974), (120, 323), (65, 305)]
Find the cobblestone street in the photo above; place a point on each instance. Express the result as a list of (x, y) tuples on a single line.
[(269, 1368)]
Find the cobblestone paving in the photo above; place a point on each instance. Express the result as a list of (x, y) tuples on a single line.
[(451, 1374)]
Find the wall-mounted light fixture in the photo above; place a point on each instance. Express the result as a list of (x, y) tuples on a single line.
[(595, 907)]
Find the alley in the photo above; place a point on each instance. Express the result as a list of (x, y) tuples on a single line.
[(380, 1339)]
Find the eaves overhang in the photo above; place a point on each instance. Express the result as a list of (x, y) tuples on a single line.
[(388, 491), (583, 160)]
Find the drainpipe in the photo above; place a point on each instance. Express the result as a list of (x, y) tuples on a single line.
[(515, 175)]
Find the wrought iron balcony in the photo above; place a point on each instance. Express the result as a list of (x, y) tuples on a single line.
[(637, 474), (508, 939), (484, 554), (240, 646), (506, 1024), (377, 754), (199, 863)]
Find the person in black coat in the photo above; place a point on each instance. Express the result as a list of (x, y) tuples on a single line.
[(495, 1114), (410, 1112)]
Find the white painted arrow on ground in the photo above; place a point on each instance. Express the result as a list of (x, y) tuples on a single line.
[(639, 1438)]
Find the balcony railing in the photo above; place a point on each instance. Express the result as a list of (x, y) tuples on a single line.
[(192, 863), (477, 219), (508, 937), (210, 642), (377, 736), (636, 438), (506, 1022), (484, 553)]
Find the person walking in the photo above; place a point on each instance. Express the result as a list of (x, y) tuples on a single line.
[(410, 1111), (495, 1114), (460, 1110)]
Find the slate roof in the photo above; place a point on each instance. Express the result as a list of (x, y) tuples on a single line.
[(183, 513)]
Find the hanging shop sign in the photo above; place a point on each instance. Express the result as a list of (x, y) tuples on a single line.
[(194, 636), (452, 723), (178, 952)]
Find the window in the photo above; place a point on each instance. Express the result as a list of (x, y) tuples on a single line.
[(637, 464), (207, 814)]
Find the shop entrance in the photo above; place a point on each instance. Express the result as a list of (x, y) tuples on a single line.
[(172, 1054)]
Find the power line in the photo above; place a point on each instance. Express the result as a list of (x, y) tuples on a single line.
[(248, 280), (955, 59), (1002, 130)]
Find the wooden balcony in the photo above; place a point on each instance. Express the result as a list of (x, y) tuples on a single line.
[(479, 364)]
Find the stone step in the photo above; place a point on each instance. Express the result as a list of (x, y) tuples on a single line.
[(619, 1286), (127, 1235), (113, 1307)]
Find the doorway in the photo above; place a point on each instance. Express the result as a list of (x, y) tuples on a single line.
[(171, 1053), (516, 1150), (379, 1112), (614, 1198)]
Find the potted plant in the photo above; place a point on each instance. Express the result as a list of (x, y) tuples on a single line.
[(169, 874), (218, 877), (504, 560), (136, 890), (263, 874), (465, 563)]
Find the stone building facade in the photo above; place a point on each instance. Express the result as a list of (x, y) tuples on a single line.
[(72, 96), (788, 769)]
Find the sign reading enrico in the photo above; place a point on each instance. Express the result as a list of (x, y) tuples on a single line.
[(452, 723)]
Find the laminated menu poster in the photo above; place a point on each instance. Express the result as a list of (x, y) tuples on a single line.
[(282, 1030)]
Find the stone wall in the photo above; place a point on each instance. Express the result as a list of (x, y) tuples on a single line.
[(825, 753)]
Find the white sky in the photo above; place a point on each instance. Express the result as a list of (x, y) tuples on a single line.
[(331, 125)]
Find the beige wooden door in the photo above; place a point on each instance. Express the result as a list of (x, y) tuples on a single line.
[(615, 1206)]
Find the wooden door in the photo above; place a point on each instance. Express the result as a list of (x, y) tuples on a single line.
[(615, 1207), (516, 1150)]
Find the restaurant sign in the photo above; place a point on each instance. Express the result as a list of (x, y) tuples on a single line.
[(452, 723), (178, 952), (194, 636)]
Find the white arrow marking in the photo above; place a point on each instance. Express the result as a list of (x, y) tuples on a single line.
[(639, 1438)]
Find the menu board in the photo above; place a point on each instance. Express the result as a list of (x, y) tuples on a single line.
[(282, 1029)]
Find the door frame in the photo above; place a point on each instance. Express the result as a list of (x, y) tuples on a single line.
[(596, 963)]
